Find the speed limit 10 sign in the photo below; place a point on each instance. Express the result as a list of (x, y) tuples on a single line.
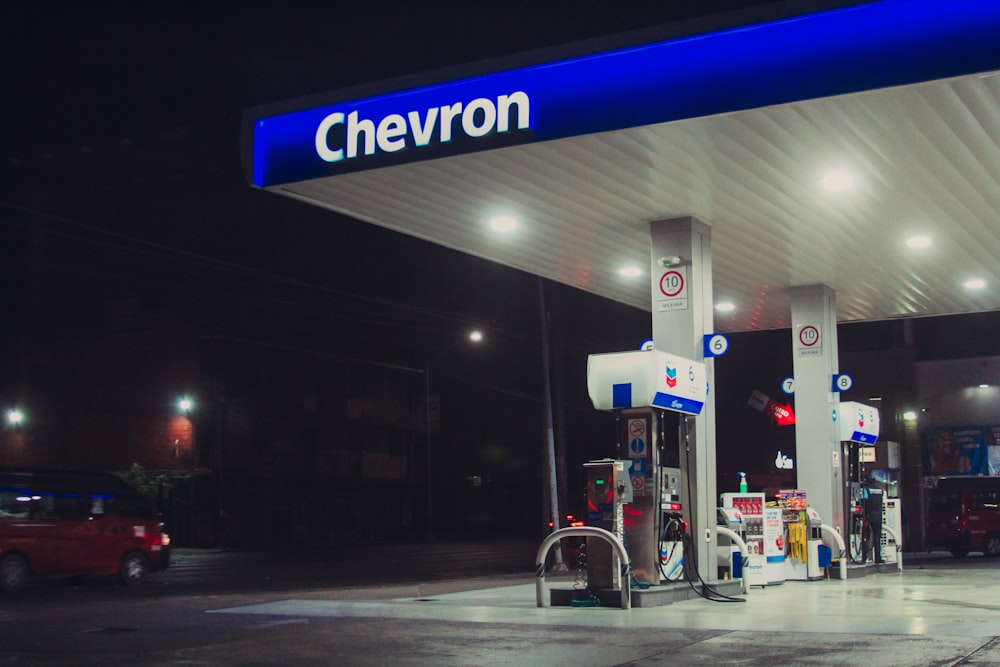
[(808, 340)]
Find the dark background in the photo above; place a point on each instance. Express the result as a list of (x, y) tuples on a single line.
[(121, 194)]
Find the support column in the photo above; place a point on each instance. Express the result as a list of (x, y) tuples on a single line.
[(681, 272), (820, 470)]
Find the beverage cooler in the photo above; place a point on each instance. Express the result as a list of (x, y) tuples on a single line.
[(751, 506)]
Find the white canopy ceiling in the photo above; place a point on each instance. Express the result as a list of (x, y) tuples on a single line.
[(920, 159)]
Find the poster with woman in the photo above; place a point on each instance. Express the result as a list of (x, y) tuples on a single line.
[(958, 450)]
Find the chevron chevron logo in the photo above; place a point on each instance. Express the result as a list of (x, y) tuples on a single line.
[(671, 376)]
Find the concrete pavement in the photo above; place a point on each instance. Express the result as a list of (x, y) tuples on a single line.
[(922, 616)]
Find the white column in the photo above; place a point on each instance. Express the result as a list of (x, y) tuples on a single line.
[(820, 471), (681, 272)]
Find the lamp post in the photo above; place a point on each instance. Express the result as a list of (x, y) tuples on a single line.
[(185, 405), (15, 419)]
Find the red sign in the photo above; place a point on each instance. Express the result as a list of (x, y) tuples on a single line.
[(782, 414), (809, 336), (672, 283)]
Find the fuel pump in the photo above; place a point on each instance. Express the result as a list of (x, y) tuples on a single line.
[(608, 492), (859, 429), (652, 394), (638, 499)]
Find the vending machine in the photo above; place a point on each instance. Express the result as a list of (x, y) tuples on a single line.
[(751, 506)]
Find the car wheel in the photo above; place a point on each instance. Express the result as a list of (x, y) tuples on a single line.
[(991, 547), (959, 552), (13, 572), (132, 569)]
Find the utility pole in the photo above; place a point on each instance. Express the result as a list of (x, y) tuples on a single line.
[(550, 444)]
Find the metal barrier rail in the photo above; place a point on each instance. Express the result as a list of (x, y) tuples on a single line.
[(735, 537), (582, 531), (839, 539)]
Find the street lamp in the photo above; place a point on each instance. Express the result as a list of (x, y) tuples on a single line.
[(185, 405), (15, 417)]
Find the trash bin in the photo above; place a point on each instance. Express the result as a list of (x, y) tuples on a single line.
[(825, 555)]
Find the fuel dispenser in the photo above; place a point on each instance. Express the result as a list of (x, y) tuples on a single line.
[(638, 500), (892, 527), (859, 429), (608, 491), (672, 525), (650, 392)]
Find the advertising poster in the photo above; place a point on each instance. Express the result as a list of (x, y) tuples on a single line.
[(957, 450), (995, 451)]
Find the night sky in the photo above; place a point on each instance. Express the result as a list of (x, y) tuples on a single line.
[(121, 149), (120, 179), (121, 173)]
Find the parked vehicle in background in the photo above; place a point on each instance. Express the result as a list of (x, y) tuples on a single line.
[(964, 516), (57, 523)]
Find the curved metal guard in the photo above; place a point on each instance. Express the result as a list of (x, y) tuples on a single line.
[(580, 531)]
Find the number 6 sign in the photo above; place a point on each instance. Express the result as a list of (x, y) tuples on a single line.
[(715, 345)]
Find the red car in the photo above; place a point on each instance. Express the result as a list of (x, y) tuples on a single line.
[(964, 516), (55, 523)]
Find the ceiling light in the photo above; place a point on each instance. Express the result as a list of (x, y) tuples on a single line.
[(984, 386), (839, 180), (476, 336), (725, 307), (503, 223), (975, 283), (630, 271), (921, 241)]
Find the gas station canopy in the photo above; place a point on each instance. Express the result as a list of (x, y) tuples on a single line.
[(857, 147)]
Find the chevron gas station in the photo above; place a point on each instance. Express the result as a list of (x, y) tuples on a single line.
[(793, 171)]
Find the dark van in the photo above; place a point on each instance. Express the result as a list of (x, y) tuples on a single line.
[(964, 516), (55, 523)]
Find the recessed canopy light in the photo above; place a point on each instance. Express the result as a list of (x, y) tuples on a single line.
[(975, 283), (984, 386), (839, 180), (476, 336), (921, 241), (631, 271), (503, 223), (725, 307)]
